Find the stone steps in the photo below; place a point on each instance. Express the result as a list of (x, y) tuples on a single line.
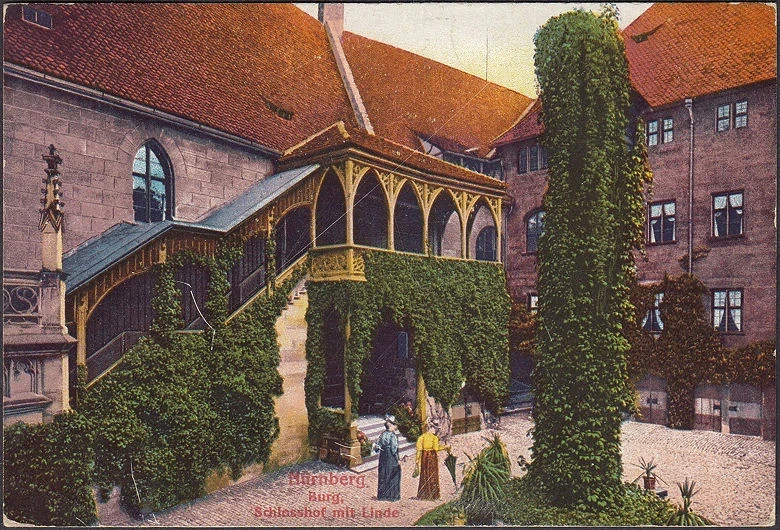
[(373, 427)]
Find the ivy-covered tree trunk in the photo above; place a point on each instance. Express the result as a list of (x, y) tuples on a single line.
[(593, 219)]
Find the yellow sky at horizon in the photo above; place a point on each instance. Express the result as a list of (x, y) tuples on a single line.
[(464, 35)]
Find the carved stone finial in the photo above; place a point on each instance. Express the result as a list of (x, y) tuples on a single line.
[(51, 213)]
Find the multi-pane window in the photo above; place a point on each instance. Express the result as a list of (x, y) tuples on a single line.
[(668, 130), (727, 214), (737, 111), (533, 303), (37, 16), (152, 184), (543, 157), (652, 133), (727, 310), (664, 135), (740, 114), (522, 161), (534, 156), (534, 229), (724, 117), (486, 244), (652, 322), (663, 224)]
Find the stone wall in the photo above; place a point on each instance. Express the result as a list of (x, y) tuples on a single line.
[(97, 143), (738, 159)]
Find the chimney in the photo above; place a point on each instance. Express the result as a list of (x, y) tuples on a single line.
[(332, 15)]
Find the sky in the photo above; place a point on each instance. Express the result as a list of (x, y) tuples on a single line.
[(464, 35)]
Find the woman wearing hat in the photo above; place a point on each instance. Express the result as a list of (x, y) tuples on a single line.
[(389, 488), (428, 462)]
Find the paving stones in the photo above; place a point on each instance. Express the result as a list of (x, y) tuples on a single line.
[(735, 475)]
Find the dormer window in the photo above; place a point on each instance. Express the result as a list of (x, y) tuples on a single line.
[(37, 17)]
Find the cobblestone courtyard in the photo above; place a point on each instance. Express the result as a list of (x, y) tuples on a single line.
[(735, 475)]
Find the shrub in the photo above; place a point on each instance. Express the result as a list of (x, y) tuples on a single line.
[(526, 505), (47, 475), (408, 422), (484, 483)]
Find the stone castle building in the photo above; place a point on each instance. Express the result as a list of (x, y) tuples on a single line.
[(179, 125)]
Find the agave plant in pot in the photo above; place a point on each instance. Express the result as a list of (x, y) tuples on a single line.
[(648, 474)]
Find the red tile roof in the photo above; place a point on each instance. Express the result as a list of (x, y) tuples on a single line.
[(528, 126), (683, 50), (215, 64), (338, 136), (407, 96)]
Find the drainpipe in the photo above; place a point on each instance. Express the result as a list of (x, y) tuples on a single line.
[(689, 106)]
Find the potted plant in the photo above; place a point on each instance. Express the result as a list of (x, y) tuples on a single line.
[(648, 474)]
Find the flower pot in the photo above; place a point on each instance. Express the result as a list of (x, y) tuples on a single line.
[(649, 483)]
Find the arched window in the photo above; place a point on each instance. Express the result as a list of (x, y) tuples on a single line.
[(486, 244), (152, 184), (534, 229)]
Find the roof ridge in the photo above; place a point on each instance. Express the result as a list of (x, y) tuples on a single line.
[(454, 69), (338, 125)]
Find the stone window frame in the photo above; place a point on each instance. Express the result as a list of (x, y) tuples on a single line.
[(653, 136), (667, 130), (731, 116), (728, 208), (533, 303), (148, 177), (522, 160), (664, 216), (539, 222), (730, 310), (652, 322)]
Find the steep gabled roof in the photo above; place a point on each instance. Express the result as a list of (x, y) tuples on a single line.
[(234, 67), (684, 50), (529, 125), (408, 96), (338, 136)]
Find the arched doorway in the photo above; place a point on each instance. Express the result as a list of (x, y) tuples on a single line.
[(444, 227), (389, 376), (370, 213), (331, 212), (408, 219), (482, 240)]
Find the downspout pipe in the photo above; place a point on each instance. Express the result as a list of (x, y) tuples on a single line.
[(689, 106)]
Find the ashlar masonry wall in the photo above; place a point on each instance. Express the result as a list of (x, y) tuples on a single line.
[(97, 142)]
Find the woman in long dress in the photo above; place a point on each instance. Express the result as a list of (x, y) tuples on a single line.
[(428, 463), (389, 487)]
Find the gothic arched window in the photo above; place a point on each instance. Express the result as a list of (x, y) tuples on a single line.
[(486, 244), (152, 184)]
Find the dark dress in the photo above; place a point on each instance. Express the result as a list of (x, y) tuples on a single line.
[(389, 487)]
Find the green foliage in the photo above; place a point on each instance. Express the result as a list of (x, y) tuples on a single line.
[(409, 423), (444, 515), (753, 364), (484, 482), (47, 473), (593, 220), (456, 312), (689, 351), (684, 516), (522, 330), (527, 505), (327, 422), (181, 405)]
